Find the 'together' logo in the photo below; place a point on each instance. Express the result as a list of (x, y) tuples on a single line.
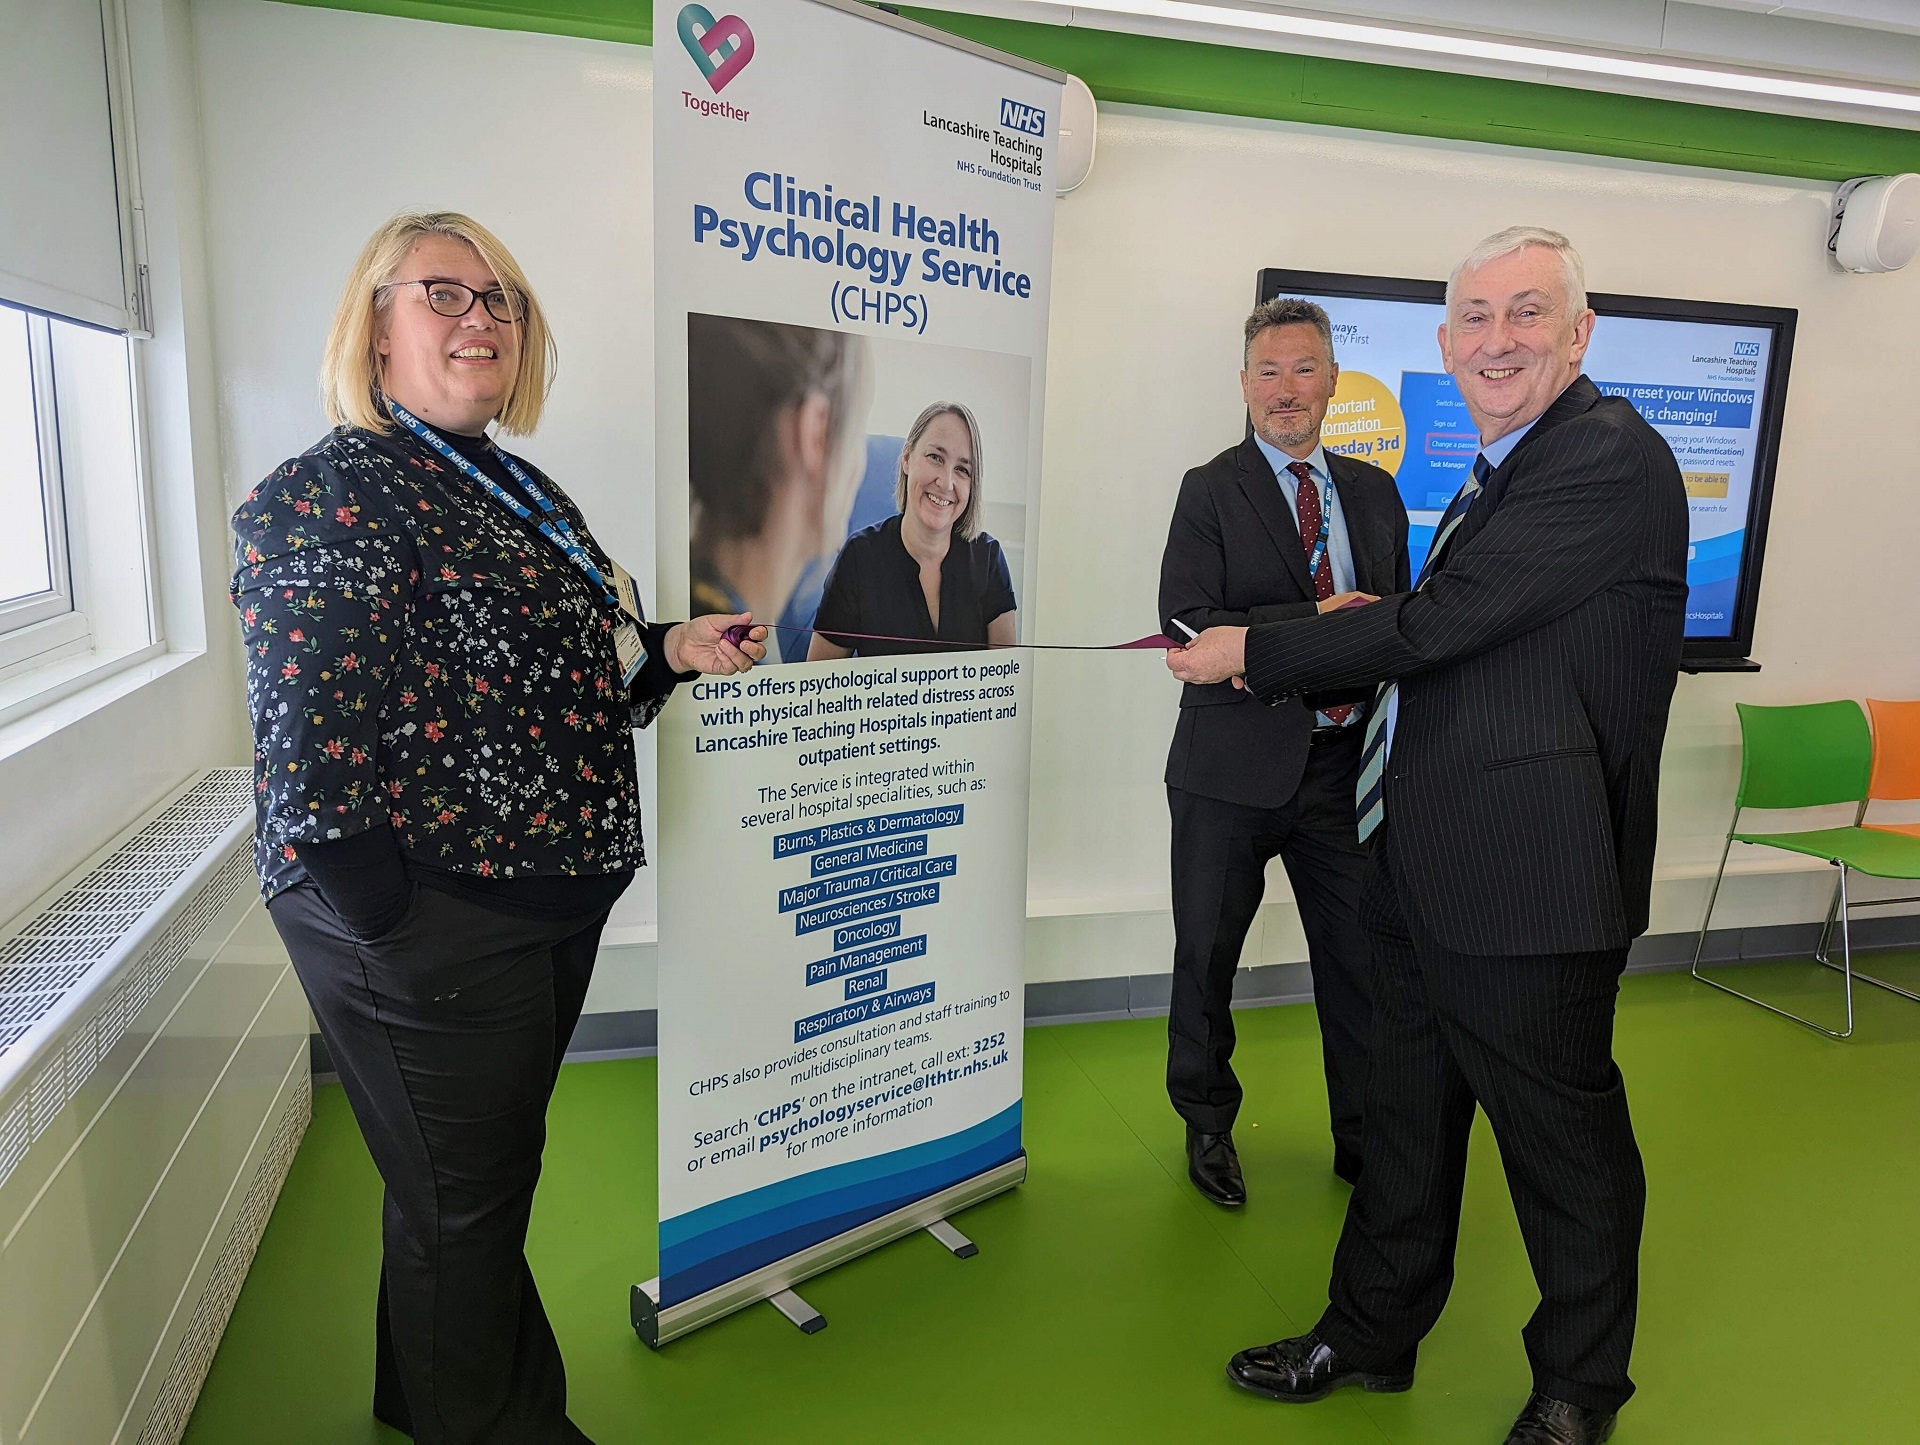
[(721, 48)]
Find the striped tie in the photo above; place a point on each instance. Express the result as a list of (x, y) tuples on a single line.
[(1370, 793)]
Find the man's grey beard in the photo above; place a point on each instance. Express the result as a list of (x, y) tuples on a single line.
[(1287, 440)]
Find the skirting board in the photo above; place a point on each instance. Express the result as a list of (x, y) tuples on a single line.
[(1085, 1000), (635, 1032)]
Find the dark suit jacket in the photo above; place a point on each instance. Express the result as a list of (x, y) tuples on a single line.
[(1233, 558), (1536, 668)]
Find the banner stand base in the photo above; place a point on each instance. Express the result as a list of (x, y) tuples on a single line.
[(953, 1239), (657, 1326), (809, 1320)]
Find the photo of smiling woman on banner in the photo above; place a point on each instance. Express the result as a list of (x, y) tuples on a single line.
[(927, 572)]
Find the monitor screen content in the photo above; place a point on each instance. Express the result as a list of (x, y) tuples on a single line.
[(1709, 378)]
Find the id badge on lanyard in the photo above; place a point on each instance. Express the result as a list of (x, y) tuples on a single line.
[(629, 643)]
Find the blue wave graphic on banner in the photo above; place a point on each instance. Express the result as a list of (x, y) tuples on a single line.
[(707, 1247)]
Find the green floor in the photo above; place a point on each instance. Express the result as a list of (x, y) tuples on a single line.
[(1780, 1284)]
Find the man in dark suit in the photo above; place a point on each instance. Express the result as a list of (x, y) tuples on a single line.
[(1274, 528), (1508, 786)]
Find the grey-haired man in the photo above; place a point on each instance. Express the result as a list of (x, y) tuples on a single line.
[(1509, 787)]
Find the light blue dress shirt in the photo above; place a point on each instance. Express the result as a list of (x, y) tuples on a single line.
[(1495, 453), (1339, 545)]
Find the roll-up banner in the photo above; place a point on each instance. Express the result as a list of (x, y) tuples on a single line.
[(853, 238)]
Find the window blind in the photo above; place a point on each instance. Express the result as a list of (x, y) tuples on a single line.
[(60, 213)]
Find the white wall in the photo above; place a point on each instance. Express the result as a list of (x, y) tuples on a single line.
[(319, 123)]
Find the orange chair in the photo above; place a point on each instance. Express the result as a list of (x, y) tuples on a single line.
[(1896, 758), (1895, 777)]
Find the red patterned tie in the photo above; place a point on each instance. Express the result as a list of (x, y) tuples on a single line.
[(1307, 496)]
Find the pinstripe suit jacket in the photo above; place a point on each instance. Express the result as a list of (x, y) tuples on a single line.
[(1536, 668)]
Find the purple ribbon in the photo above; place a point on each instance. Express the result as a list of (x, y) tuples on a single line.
[(737, 634)]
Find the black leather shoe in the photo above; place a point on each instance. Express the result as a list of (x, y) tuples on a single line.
[(1214, 1167), (1547, 1421), (1304, 1369)]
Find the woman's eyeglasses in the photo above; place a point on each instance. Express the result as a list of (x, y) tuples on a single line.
[(450, 298)]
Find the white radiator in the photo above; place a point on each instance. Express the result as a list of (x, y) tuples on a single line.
[(153, 1089)]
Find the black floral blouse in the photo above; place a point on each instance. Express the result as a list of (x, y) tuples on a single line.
[(417, 654)]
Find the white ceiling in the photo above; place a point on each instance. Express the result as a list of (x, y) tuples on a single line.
[(1871, 43)]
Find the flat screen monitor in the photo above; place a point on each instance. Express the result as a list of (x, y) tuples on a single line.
[(1710, 377)]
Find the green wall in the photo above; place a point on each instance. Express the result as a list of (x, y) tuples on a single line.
[(596, 19), (1231, 81)]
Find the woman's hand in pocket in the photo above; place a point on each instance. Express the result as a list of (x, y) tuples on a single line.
[(373, 919)]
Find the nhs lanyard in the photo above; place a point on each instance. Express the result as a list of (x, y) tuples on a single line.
[(1319, 554), (552, 522)]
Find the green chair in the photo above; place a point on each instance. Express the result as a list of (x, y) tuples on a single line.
[(1803, 757)]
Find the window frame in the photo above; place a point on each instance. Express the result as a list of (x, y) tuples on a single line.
[(39, 624)]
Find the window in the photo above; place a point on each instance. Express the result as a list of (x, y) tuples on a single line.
[(72, 533), (33, 553)]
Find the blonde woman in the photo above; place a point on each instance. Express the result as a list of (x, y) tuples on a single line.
[(443, 670), (926, 579)]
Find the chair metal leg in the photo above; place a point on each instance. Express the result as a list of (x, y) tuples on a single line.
[(1846, 947), (1846, 953), (1867, 977), (1833, 904), (1713, 895), (1826, 933), (1841, 906), (1882, 983)]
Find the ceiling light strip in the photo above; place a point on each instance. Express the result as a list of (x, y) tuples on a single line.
[(1430, 43)]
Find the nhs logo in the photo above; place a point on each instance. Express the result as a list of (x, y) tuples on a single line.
[(1740, 348), (1027, 118)]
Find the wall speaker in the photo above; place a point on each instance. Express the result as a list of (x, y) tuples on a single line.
[(1876, 223), (1079, 130)]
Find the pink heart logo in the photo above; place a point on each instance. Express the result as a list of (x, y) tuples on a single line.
[(721, 48)]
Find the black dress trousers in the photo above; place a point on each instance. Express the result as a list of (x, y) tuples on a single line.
[(1220, 856), (448, 1032), (1530, 1040)]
